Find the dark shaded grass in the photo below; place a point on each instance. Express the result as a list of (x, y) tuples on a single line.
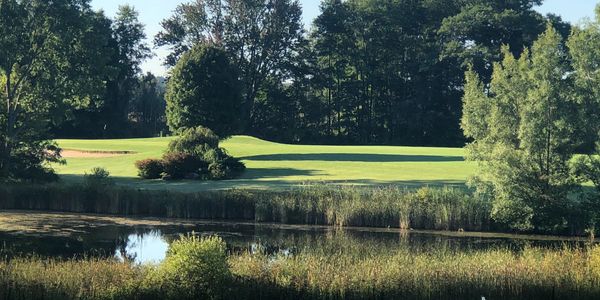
[(353, 157)]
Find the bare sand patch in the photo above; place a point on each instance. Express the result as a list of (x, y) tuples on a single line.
[(92, 154)]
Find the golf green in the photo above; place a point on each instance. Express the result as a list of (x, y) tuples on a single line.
[(274, 165)]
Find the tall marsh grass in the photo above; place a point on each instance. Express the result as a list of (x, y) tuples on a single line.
[(40, 278), (493, 274), (338, 269), (426, 208)]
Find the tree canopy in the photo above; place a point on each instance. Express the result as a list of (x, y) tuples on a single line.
[(526, 129), (367, 72), (204, 90), (48, 62)]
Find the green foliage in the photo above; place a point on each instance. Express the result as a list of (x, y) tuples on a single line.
[(98, 177), (148, 107), (45, 47), (204, 90), (179, 165), (150, 168), (349, 83), (195, 268), (584, 50), (337, 267), (32, 163), (523, 133), (586, 168), (262, 39), (130, 51), (195, 141), (475, 34), (194, 155), (127, 102)]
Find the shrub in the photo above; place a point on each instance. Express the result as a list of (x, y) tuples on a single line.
[(195, 141), (235, 166), (194, 155), (195, 268), (180, 165), (226, 169), (150, 168), (97, 177), (214, 155), (217, 171), (221, 165)]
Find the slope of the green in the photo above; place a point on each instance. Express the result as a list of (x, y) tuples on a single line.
[(279, 165)]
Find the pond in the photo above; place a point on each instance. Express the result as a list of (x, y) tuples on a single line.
[(146, 240)]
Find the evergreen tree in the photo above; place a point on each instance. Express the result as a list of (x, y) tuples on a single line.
[(522, 130)]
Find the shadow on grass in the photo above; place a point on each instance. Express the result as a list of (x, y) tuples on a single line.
[(269, 173), (349, 157)]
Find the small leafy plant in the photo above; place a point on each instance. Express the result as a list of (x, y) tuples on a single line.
[(98, 177)]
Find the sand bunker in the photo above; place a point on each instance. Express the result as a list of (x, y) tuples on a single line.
[(92, 154)]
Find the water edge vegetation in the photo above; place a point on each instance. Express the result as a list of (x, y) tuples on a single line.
[(337, 269)]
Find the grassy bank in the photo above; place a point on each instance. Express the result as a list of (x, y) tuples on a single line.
[(426, 208), (273, 165), (336, 270)]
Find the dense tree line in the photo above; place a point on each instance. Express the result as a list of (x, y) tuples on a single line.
[(129, 103), (67, 70), (368, 72)]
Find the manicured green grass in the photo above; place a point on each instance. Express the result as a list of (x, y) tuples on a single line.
[(273, 165)]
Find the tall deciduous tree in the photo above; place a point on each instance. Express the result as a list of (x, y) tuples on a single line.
[(522, 130), (43, 44), (204, 90), (130, 51), (476, 33), (198, 21), (261, 36)]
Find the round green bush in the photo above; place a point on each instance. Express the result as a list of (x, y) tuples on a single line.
[(195, 141), (195, 268), (150, 168)]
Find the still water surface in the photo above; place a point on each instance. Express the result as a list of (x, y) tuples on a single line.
[(147, 240)]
